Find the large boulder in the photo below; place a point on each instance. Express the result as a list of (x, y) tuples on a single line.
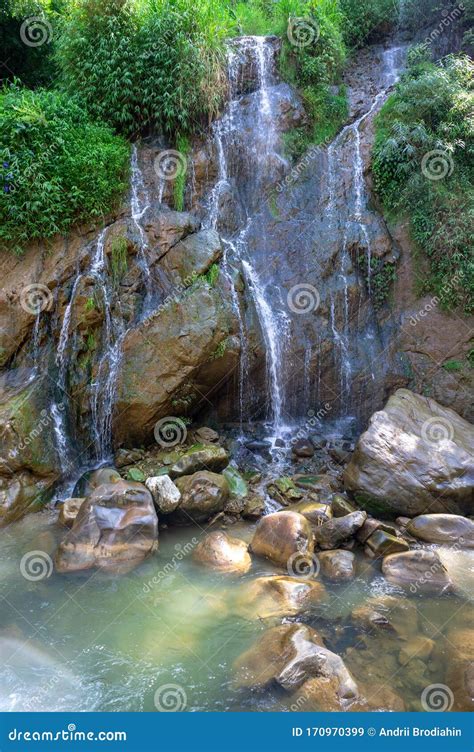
[(203, 495), (290, 655), (173, 359), (277, 597), (415, 456), (223, 553), (28, 459), (200, 457), (116, 529), (423, 571), (443, 528), (281, 537)]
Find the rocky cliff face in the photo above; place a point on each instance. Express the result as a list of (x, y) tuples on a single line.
[(256, 302)]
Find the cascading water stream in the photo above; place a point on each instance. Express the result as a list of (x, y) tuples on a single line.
[(259, 145), (138, 207)]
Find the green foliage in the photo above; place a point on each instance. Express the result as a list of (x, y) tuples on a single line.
[(90, 304), (212, 275), (179, 186), (155, 64), (367, 21), (33, 65), (134, 473), (220, 350), (423, 167), (57, 167), (327, 112), (118, 258), (452, 365), (380, 280)]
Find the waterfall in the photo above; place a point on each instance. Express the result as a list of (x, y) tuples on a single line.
[(138, 207), (259, 144)]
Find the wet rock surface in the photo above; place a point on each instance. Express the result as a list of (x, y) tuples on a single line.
[(116, 528), (415, 456), (422, 571), (282, 535), (224, 553)]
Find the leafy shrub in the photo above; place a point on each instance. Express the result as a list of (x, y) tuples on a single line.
[(430, 112), (366, 21), (56, 166), (32, 64), (153, 65)]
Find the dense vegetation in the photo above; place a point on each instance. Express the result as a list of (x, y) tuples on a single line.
[(126, 68), (56, 166), (424, 167)]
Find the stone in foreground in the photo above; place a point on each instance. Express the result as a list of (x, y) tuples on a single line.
[(337, 566), (166, 494), (421, 570), (200, 457), (203, 495), (69, 510), (415, 456), (275, 596), (222, 552), (290, 655), (443, 528), (336, 531), (282, 535), (115, 530)]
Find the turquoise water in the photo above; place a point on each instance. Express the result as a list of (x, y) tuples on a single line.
[(98, 642)]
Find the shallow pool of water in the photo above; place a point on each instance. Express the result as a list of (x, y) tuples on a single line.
[(99, 642)]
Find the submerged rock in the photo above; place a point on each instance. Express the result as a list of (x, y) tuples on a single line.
[(422, 570), (116, 529), (69, 510), (274, 596), (200, 457), (337, 566), (387, 613), (443, 528), (166, 494), (336, 531), (290, 655), (203, 494), (282, 535), (415, 456), (222, 552)]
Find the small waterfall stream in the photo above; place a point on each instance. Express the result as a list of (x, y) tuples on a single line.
[(259, 145)]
